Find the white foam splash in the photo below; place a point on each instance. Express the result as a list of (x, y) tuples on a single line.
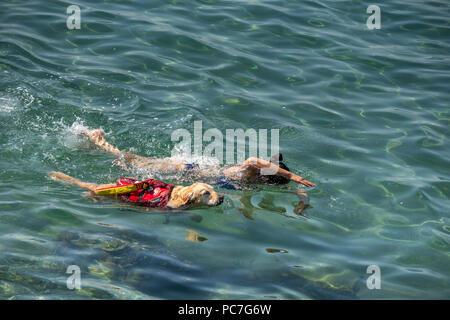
[(77, 127), (70, 135), (202, 161), (19, 97), (8, 104)]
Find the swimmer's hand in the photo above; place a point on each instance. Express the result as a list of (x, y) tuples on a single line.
[(92, 134), (301, 180)]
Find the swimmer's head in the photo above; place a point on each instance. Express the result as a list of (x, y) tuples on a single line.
[(275, 179)]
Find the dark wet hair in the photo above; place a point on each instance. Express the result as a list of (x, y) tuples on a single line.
[(275, 179)]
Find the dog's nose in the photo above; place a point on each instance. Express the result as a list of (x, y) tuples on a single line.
[(221, 196)]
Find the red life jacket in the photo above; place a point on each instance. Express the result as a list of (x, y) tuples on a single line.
[(156, 195)]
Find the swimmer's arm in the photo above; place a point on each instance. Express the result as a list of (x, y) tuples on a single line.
[(96, 137)]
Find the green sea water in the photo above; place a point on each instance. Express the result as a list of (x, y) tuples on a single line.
[(362, 113)]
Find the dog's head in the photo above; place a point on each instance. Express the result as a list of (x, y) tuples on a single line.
[(193, 195)]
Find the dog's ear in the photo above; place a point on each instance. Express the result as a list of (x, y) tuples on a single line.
[(190, 196), (187, 197)]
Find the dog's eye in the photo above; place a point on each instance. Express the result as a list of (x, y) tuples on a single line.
[(207, 193)]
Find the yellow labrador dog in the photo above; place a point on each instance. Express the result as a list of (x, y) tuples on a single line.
[(156, 194)]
